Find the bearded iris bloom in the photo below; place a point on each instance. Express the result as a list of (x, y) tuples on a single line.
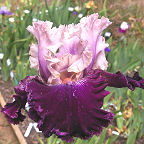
[(124, 27), (5, 11), (67, 97)]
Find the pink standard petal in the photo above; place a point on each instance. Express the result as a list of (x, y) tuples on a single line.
[(39, 30), (34, 56), (92, 28), (77, 47)]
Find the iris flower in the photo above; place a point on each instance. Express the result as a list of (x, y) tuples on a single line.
[(5, 11), (107, 49), (124, 27), (67, 97)]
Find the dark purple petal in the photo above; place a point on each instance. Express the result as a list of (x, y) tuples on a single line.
[(71, 109), (33, 114), (136, 81), (68, 110), (122, 31), (12, 110), (17, 120), (118, 80)]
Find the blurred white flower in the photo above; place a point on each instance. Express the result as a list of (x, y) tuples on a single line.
[(115, 133), (120, 113), (58, 142), (80, 15), (21, 18), (34, 19), (77, 8), (8, 62), (124, 25), (11, 74), (40, 12), (1, 56), (70, 9), (107, 34), (11, 19), (26, 11), (46, 11)]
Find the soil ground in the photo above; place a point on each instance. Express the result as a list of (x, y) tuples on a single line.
[(7, 135)]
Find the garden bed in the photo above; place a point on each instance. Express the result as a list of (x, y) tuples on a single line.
[(7, 135)]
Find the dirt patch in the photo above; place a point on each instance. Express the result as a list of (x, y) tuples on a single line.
[(7, 135)]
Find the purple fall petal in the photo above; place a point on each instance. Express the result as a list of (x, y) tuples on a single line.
[(71, 109), (118, 80), (122, 31), (12, 110), (136, 81)]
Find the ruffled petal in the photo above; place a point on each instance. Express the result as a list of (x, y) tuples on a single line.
[(71, 109), (118, 80), (34, 56), (12, 110), (136, 81), (39, 30), (81, 43), (92, 28)]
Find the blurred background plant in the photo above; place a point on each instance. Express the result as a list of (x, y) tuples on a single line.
[(125, 53)]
